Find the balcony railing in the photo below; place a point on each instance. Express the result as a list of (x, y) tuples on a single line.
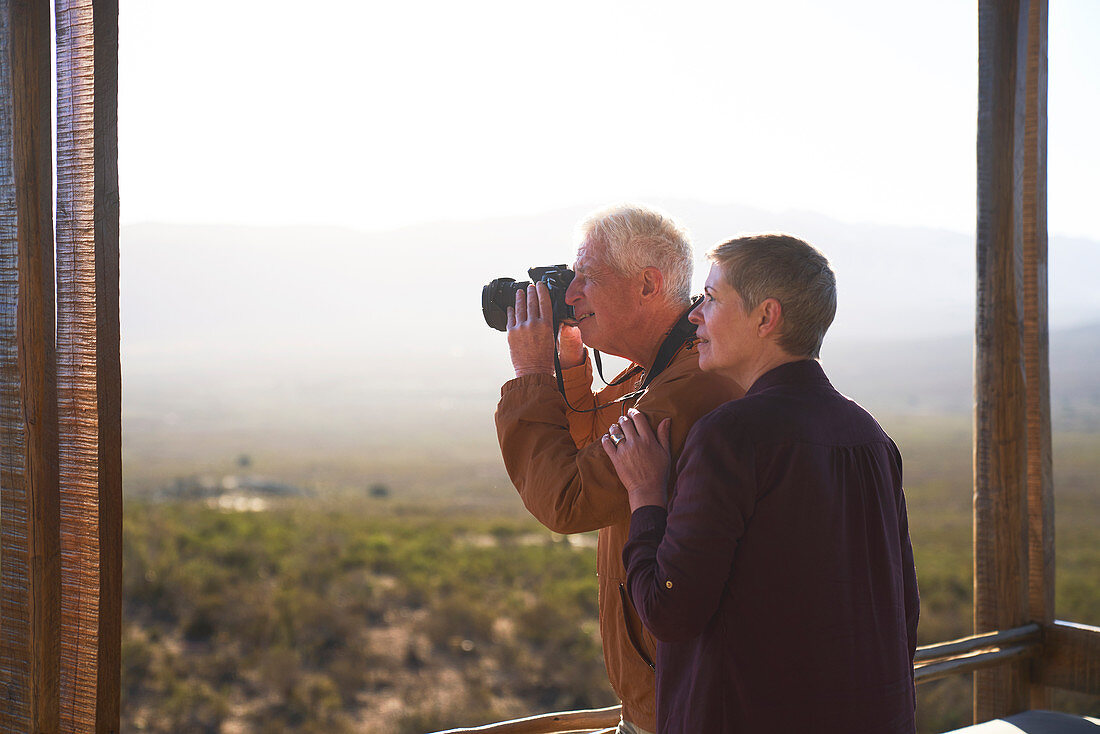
[(930, 663)]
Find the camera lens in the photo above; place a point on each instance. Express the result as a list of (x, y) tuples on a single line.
[(495, 300)]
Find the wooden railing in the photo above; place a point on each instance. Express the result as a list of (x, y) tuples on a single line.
[(930, 663), (589, 721), (968, 654)]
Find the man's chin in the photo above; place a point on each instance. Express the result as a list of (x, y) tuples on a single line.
[(590, 335)]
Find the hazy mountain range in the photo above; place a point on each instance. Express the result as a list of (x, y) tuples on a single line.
[(323, 326)]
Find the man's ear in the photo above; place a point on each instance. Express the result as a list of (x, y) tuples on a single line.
[(653, 282), (770, 313)]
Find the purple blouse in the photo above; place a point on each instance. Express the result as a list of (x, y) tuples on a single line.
[(780, 582)]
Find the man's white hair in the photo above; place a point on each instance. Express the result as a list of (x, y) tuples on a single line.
[(638, 237)]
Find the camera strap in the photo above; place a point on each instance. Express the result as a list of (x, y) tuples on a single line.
[(682, 332), (599, 371)]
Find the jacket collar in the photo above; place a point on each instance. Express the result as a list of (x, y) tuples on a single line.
[(802, 372)]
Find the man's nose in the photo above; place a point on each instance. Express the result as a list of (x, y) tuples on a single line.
[(572, 293)]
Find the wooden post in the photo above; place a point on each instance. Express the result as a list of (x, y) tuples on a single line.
[(1071, 657), (89, 380), (1040, 484), (1013, 513), (29, 536), (109, 365)]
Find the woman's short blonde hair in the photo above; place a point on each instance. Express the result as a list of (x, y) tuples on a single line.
[(793, 272)]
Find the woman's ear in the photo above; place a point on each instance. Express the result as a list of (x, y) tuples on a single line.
[(771, 316)]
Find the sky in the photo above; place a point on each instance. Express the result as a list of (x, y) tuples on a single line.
[(379, 115)]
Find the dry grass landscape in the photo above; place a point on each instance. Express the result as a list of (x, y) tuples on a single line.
[(403, 593)]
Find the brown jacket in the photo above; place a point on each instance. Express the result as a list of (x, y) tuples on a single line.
[(555, 459)]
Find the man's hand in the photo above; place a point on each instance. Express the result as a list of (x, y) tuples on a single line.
[(531, 331), (641, 458), (570, 347)]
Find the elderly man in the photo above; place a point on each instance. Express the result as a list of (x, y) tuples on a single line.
[(779, 581), (630, 296)]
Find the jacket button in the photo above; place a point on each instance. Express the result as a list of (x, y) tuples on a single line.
[(668, 584)]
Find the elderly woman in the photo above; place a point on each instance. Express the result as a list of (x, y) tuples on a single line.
[(778, 575)]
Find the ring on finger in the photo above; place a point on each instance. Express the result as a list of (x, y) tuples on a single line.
[(617, 438)]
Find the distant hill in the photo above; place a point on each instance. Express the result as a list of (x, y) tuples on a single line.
[(190, 292), (327, 329), (936, 375)]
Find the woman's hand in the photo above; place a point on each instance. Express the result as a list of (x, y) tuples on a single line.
[(641, 458)]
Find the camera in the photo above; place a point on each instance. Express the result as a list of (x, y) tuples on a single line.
[(500, 294)]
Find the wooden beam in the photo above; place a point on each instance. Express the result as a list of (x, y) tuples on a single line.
[(108, 364), (1027, 634), (565, 721), (988, 660), (1000, 431), (76, 347), (1071, 657), (88, 357), (29, 534), (1040, 484)]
